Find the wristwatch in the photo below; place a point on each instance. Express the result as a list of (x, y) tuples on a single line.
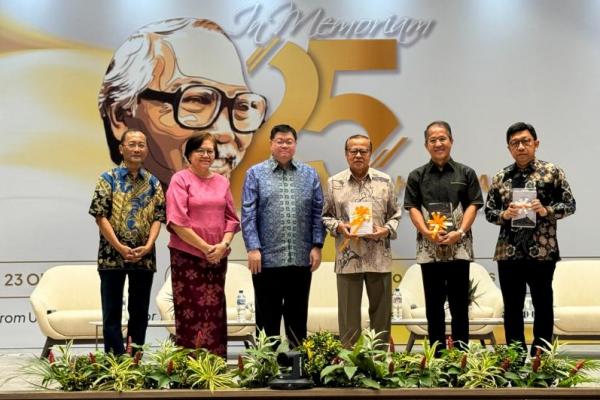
[(227, 244), (462, 233)]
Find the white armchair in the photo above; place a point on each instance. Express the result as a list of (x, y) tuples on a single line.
[(488, 298), (65, 301), (322, 303), (577, 299)]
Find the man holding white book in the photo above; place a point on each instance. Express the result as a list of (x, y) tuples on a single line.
[(361, 211), (442, 198), (526, 199)]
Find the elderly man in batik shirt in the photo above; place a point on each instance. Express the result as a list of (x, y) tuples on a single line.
[(129, 207), (362, 258), (528, 255), (282, 228)]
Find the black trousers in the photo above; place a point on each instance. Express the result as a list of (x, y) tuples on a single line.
[(282, 291), (138, 301), (449, 280), (514, 275)]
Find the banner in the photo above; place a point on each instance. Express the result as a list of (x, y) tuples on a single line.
[(76, 75)]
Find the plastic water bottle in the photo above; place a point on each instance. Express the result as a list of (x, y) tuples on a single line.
[(241, 305), (397, 304), (528, 309)]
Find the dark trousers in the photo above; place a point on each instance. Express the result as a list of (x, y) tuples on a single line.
[(138, 301), (282, 291), (449, 280), (514, 275)]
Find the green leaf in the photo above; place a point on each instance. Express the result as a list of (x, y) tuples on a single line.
[(350, 371), (369, 383), (329, 369)]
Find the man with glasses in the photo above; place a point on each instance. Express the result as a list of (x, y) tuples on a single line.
[(281, 224), (366, 257), (173, 79), (528, 255), (446, 193), (129, 206)]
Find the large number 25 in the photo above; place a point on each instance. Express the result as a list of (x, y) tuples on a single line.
[(308, 102)]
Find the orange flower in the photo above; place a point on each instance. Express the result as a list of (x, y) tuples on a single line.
[(362, 214), (436, 223)]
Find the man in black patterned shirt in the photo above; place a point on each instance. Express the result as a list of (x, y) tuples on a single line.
[(528, 256)]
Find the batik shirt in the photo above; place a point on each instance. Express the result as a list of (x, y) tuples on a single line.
[(131, 205), (281, 213), (554, 193), (362, 255), (454, 184)]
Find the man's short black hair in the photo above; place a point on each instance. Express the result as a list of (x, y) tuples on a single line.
[(443, 124), (283, 128), (124, 136), (196, 141), (518, 127)]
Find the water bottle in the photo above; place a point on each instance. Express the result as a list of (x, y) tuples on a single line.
[(528, 309), (241, 305), (397, 304), (447, 314)]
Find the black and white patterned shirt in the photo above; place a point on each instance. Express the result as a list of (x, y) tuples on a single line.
[(554, 193)]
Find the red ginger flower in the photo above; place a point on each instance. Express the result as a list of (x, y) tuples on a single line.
[(449, 342), (51, 357), (129, 346), (577, 367), (92, 358), (137, 358), (463, 361), (240, 363), (170, 368), (505, 364), (392, 344), (423, 362), (537, 361)]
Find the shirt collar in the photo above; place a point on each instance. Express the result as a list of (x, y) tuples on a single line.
[(531, 167), (449, 166), (123, 171), (273, 164), (367, 177)]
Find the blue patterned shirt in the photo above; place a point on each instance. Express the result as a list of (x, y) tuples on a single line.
[(131, 205), (281, 213)]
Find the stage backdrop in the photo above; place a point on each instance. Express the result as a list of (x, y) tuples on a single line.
[(330, 68)]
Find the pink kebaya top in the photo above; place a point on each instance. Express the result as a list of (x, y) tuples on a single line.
[(203, 204)]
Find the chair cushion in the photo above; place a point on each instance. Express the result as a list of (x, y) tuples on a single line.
[(578, 319), (75, 324)]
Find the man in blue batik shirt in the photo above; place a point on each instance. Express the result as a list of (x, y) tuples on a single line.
[(281, 224)]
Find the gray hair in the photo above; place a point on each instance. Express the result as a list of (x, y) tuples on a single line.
[(131, 69)]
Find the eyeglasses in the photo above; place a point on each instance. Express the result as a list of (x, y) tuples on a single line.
[(198, 106), (442, 140), (284, 142), (514, 144), (133, 145), (355, 152), (203, 152)]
